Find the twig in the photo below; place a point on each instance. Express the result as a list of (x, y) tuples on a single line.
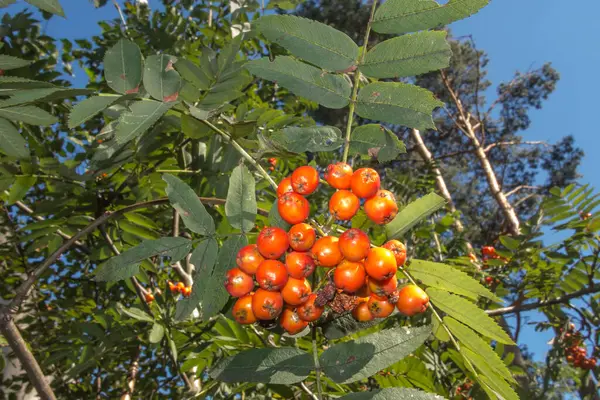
[(60, 233), (133, 371), (515, 143), (243, 152), (356, 84), (121, 15), (316, 362), (139, 289), (308, 391), (544, 303), (520, 187), (21, 292)]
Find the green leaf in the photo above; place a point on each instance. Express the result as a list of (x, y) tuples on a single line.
[(313, 41), (88, 108), (11, 141), (392, 394), (313, 139), (193, 128), (510, 243), (414, 213), (499, 387), (51, 6), (361, 358), (471, 340), (9, 62), (156, 334), (141, 220), (346, 325), (374, 139), (402, 16), (331, 91), (143, 115), (138, 231), (123, 67), (125, 265), (6, 3), (160, 78), (241, 207), (276, 220), (203, 258), (186, 201), (193, 74), (283, 365), (20, 188), (135, 313), (397, 103), (468, 313), (216, 299), (450, 279), (407, 55), (172, 348), (15, 82), (29, 115)]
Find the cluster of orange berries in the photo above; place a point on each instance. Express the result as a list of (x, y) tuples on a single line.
[(273, 162), (577, 353), (352, 186), (360, 278), (180, 287)]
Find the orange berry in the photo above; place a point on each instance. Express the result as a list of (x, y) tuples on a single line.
[(293, 208), (380, 264), (383, 289), (180, 286), (412, 300), (380, 308), (272, 242), (291, 322), (242, 310), (271, 275), (349, 276), (362, 313), (285, 186), (382, 207), (249, 258), (365, 183), (296, 291), (237, 282), (149, 297), (354, 244), (399, 250), (339, 175), (326, 252), (343, 205), (302, 237), (305, 180), (309, 311), (299, 265), (187, 291), (266, 305)]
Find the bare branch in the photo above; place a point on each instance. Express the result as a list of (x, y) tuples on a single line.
[(17, 344), (515, 143), (544, 303), (519, 188), (308, 391), (132, 377)]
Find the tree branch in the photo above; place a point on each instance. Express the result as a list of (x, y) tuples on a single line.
[(515, 143), (520, 187), (132, 377), (544, 303), (17, 344)]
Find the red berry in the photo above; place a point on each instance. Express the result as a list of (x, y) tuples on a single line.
[(305, 180)]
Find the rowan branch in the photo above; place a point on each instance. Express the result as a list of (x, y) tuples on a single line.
[(17, 344), (23, 290), (544, 303), (132, 377)]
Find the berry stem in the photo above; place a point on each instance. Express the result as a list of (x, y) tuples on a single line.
[(356, 84), (315, 350), (243, 152)]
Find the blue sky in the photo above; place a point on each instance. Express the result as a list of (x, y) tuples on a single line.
[(517, 35)]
